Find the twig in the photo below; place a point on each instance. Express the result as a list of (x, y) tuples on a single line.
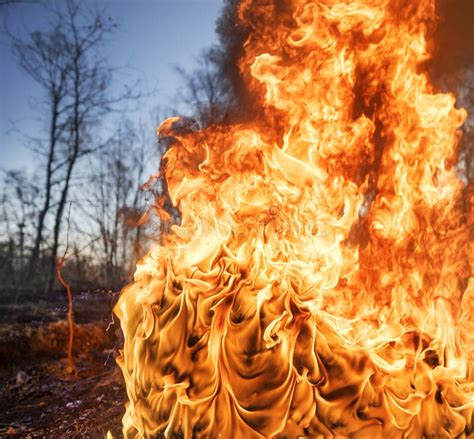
[(111, 323), (110, 353), (71, 368), (70, 362)]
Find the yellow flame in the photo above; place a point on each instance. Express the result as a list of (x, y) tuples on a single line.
[(319, 281)]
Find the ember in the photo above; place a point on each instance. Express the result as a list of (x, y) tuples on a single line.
[(319, 281)]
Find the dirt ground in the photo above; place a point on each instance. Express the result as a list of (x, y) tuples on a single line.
[(38, 398)]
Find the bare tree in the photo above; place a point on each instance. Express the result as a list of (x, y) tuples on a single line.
[(65, 60), (133, 219), (206, 91), (19, 206), (114, 206), (43, 56), (89, 79), (215, 91), (7, 243)]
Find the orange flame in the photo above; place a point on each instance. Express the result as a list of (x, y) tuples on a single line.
[(319, 282)]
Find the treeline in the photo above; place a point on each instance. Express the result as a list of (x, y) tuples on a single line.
[(84, 196), (102, 225)]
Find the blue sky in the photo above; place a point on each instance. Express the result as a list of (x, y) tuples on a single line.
[(154, 36)]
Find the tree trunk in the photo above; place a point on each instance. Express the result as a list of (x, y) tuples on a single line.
[(76, 139), (58, 221), (33, 265)]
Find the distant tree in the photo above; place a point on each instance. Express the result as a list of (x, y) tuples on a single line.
[(215, 91), (133, 215), (206, 91), (113, 203), (7, 243), (19, 206)]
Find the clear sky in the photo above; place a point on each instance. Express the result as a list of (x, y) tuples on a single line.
[(154, 36)]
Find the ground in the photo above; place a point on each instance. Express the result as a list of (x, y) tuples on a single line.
[(38, 397)]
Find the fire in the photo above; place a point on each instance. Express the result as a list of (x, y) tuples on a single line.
[(319, 281)]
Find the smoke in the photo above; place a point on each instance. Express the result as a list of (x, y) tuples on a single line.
[(453, 37), (232, 36)]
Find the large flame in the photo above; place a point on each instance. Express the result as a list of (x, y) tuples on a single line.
[(319, 281)]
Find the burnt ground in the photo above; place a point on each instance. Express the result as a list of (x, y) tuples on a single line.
[(38, 397)]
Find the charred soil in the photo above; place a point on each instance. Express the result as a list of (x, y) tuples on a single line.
[(38, 398)]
